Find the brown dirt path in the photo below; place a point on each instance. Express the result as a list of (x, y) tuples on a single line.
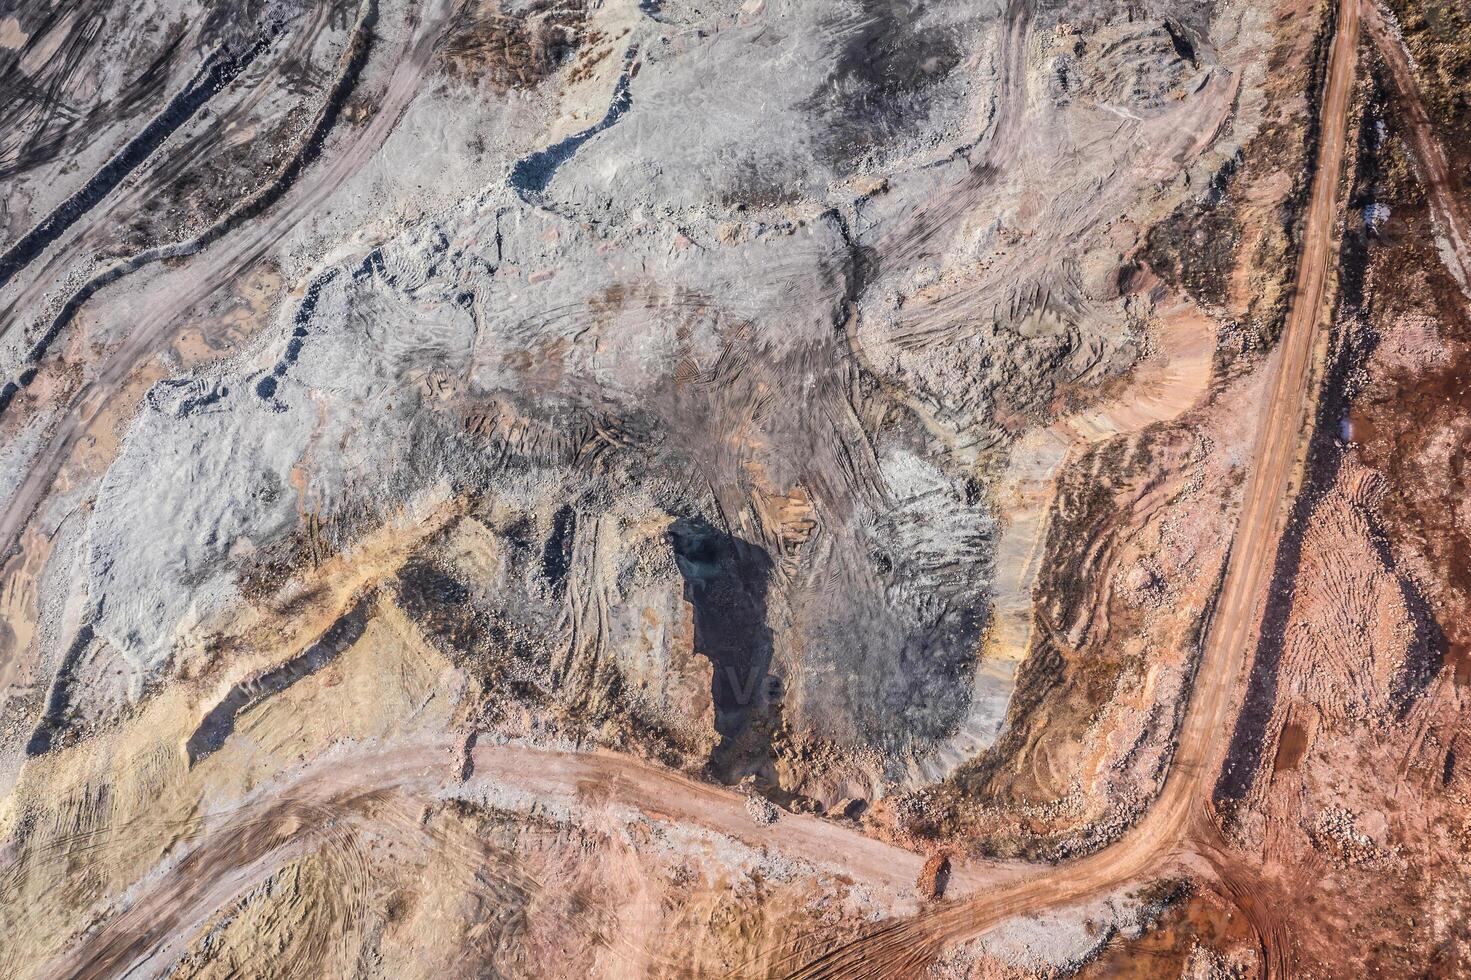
[(313, 808)]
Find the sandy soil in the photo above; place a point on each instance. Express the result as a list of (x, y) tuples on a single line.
[(662, 560)]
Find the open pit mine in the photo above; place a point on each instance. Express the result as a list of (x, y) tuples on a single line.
[(735, 489)]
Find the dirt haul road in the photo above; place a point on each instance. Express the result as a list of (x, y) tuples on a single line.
[(324, 804), (1180, 820)]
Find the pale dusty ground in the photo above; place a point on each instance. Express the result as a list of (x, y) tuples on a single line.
[(651, 490)]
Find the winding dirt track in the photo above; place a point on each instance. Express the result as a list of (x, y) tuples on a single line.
[(1180, 819), (318, 805)]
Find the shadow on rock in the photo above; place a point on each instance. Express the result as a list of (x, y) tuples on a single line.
[(726, 581)]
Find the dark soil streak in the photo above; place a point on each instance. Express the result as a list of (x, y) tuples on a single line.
[(354, 59), (218, 70), (219, 723)]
